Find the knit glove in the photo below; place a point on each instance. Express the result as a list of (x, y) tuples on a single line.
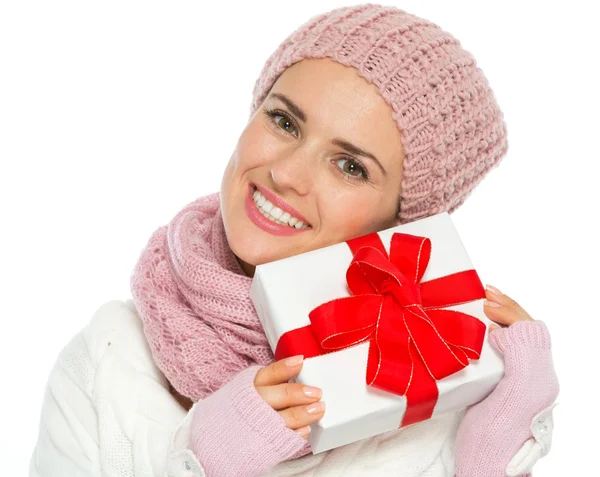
[(494, 438), (234, 432)]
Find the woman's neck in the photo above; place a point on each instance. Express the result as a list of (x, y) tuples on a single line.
[(185, 402), (246, 267)]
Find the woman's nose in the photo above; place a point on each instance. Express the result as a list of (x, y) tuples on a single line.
[(293, 171)]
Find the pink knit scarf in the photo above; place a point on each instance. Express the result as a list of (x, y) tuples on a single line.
[(193, 299)]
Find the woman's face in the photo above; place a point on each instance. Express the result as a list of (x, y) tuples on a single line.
[(298, 152)]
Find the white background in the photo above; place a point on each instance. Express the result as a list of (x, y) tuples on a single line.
[(115, 114)]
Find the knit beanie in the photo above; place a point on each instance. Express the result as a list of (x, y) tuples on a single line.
[(451, 127)]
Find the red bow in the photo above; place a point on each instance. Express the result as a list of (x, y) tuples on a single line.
[(414, 342)]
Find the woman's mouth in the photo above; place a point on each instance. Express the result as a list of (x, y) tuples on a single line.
[(272, 214), (275, 214)]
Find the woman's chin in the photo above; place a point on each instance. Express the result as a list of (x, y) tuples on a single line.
[(247, 257), (252, 261)]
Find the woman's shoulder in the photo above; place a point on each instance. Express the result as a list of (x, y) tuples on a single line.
[(114, 332), (113, 323), (111, 361), (115, 326)]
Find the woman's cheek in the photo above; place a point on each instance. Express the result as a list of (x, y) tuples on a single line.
[(380, 212), (346, 224), (255, 146)]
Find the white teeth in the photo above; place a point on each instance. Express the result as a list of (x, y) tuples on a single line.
[(275, 214), (267, 206)]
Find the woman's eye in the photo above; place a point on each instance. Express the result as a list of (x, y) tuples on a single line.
[(352, 167), (284, 122), (281, 121)]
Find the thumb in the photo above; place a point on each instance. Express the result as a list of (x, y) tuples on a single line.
[(496, 341)]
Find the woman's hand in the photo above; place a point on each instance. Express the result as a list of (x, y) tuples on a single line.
[(502, 309), (238, 429), (499, 435), (297, 404)]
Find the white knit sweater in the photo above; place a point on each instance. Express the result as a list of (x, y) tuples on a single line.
[(107, 411)]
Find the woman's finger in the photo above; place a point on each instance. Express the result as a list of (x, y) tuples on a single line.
[(279, 372), (303, 431), (300, 416), (286, 395), (492, 293), (499, 314), (503, 309)]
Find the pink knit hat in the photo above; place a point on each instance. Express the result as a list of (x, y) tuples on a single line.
[(451, 127)]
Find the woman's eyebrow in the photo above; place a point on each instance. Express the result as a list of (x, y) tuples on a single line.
[(291, 105), (346, 145), (352, 149)]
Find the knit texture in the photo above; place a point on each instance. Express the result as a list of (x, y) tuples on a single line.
[(452, 129), (236, 433), (193, 299), (493, 430)]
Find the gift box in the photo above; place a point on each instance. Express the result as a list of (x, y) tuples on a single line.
[(391, 325)]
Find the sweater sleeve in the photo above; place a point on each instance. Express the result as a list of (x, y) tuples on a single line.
[(236, 433), (507, 432), (68, 437)]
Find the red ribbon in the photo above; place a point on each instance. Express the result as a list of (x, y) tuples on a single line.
[(413, 341)]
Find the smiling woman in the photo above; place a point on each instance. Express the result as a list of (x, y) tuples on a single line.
[(364, 117), (296, 150)]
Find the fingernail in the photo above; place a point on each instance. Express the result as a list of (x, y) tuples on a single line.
[(303, 431), (294, 360), (315, 407), (493, 290), (490, 303), (311, 392)]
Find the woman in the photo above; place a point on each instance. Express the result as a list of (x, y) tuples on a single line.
[(363, 118)]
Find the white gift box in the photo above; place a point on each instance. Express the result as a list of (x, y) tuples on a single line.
[(285, 291)]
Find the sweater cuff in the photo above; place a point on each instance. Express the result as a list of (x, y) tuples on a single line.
[(522, 334), (235, 431), (261, 418)]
